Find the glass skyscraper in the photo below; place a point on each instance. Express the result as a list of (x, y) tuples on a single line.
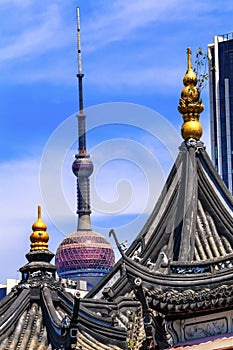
[(221, 105)]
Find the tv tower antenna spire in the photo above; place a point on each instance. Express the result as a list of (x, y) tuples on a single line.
[(80, 74), (82, 166)]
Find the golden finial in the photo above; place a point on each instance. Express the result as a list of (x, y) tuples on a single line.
[(190, 104), (39, 237), (189, 58)]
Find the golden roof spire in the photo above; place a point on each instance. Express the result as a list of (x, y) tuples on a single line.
[(189, 58), (39, 237), (190, 104)]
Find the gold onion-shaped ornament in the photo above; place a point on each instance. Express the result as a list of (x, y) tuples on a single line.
[(39, 237), (190, 104)]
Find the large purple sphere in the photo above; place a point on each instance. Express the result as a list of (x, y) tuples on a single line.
[(84, 253)]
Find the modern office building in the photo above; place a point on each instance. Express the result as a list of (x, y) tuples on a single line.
[(221, 105)]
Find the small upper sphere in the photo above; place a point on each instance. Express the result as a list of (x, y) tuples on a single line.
[(190, 78), (39, 225), (82, 166)]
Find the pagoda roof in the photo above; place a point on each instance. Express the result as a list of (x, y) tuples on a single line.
[(32, 314), (40, 314), (187, 242)]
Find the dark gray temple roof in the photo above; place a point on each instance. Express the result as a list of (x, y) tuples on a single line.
[(40, 314), (192, 220), (187, 242), (33, 314), (182, 260)]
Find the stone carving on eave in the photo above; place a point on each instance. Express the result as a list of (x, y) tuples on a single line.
[(190, 300)]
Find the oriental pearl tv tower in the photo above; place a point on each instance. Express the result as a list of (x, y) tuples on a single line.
[(83, 255)]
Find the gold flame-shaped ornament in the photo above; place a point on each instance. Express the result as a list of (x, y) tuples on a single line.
[(39, 237), (190, 104)]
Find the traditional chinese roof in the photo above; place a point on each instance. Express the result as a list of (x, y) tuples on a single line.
[(181, 263), (184, 253), (39, 313), (187, 242)]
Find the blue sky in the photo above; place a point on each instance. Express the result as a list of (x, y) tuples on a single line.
[(133, 52)]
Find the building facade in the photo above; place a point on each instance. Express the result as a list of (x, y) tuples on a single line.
[(221, 105)]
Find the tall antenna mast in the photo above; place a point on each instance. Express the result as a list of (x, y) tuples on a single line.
[(80, 74), (82, 166)]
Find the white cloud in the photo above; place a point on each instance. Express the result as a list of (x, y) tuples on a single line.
[(43, 31), (20, 195), (47, 28), (19, 199), (124, 178), (137, 76), (18, 3), (20, 188), (116, 20), (57, 72)]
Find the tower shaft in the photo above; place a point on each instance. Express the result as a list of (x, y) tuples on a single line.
[(82, 134)]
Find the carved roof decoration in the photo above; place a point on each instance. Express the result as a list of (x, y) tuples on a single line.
[(39, 237), (190, 104)]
